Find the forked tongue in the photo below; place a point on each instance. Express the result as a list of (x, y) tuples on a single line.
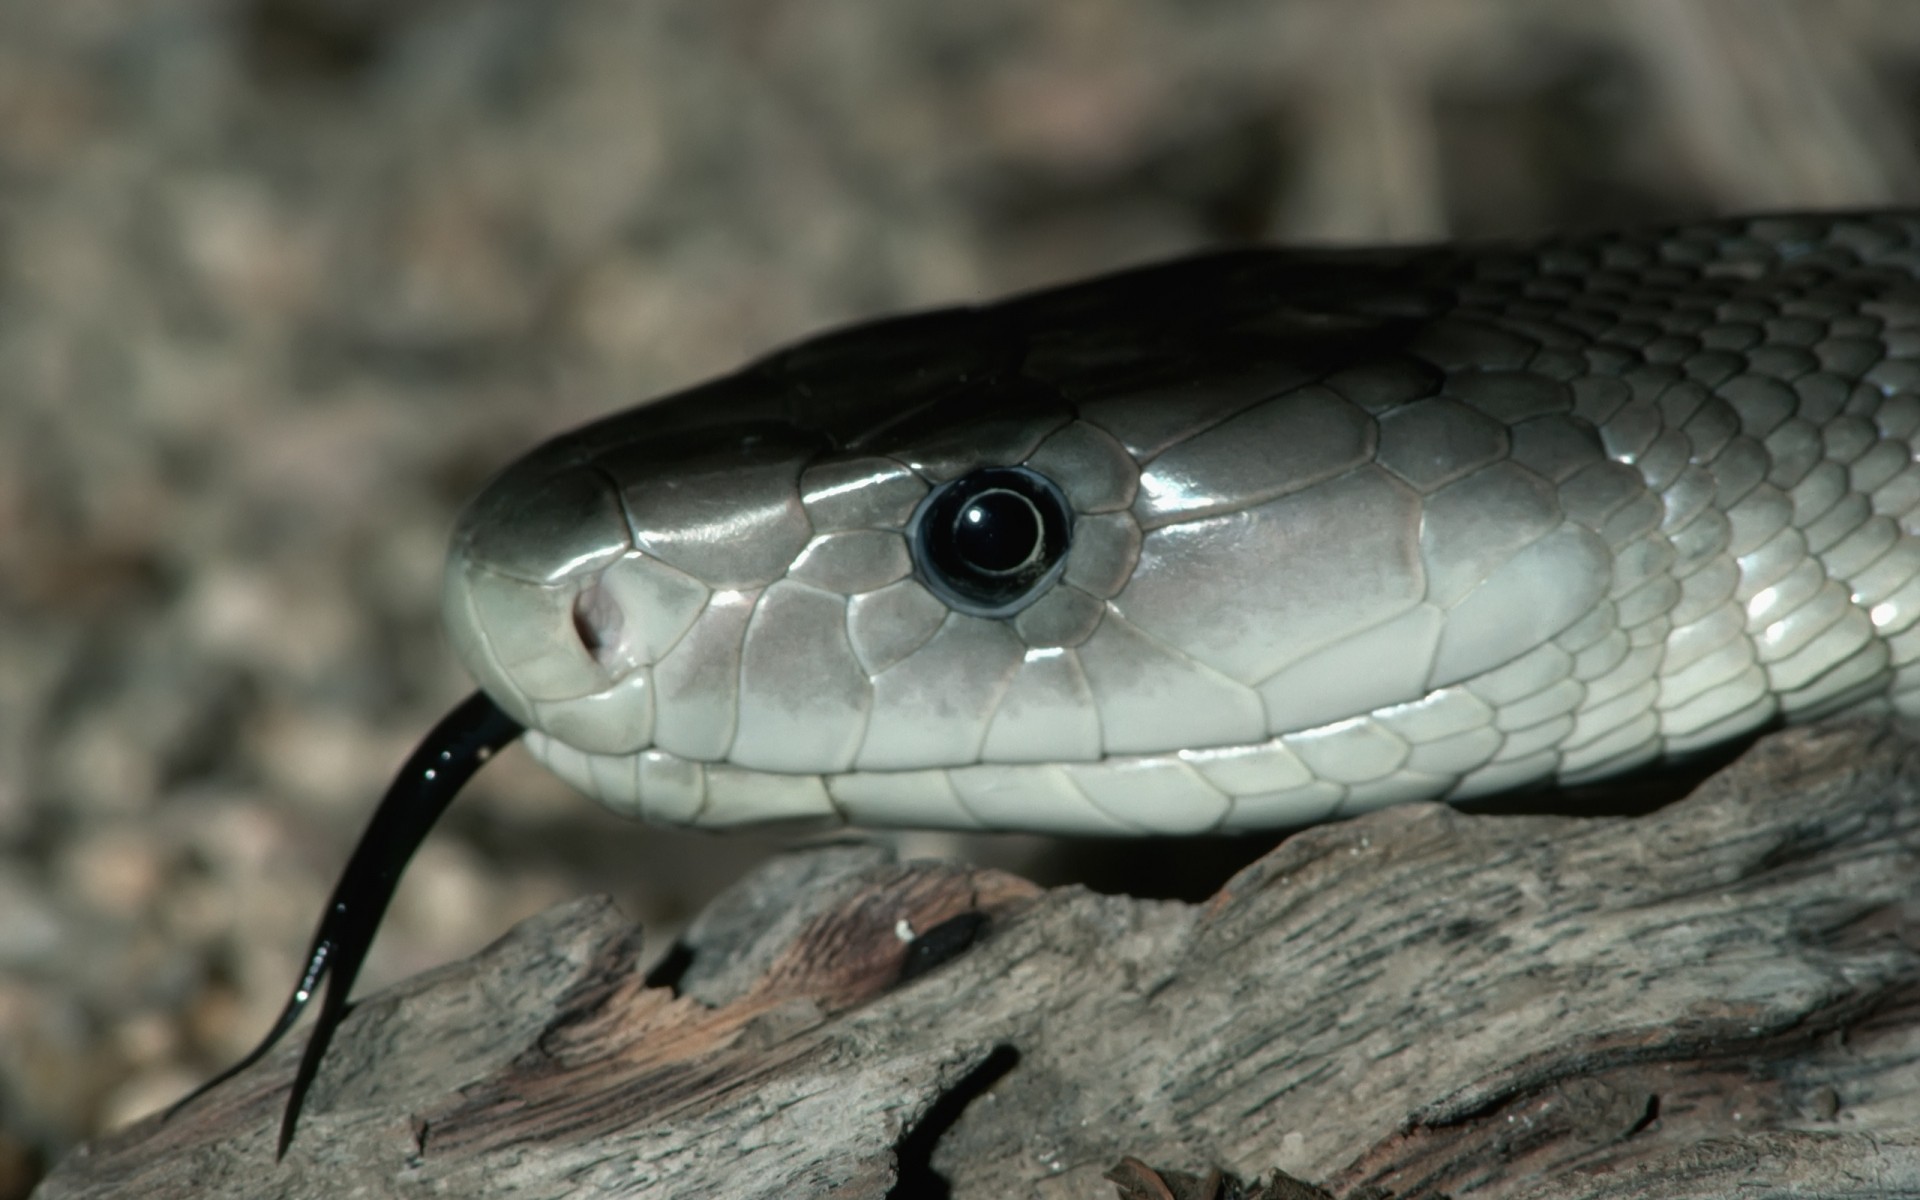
[(463, 740)]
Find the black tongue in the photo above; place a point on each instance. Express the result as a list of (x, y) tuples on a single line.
[(438, 768)]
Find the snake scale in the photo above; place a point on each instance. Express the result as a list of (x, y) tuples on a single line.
[(1249, 540)]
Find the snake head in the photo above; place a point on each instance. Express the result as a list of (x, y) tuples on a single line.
[(1217, 545), (834, 561)]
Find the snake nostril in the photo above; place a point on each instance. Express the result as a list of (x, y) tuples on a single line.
[(598, 623)]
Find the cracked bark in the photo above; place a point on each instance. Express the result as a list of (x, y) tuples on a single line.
[(1718, 998)]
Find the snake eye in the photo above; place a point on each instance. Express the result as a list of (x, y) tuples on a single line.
[(989, 543)]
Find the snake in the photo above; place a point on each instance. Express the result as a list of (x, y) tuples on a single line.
[(1243, 541)]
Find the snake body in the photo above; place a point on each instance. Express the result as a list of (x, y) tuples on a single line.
[(1346, 528), (1242, 541)]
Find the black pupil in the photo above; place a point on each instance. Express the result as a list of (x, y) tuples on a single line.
[(997, 532), (990, 543)]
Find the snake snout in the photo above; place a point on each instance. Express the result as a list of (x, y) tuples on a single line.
[(522, 599)]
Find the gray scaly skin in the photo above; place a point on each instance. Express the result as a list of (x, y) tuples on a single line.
[(1348, 528), (1238, 542)]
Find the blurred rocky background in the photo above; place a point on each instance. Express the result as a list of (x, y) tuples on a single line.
[(282, 280)]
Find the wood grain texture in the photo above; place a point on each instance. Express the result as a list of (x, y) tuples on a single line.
[(1719, 998)]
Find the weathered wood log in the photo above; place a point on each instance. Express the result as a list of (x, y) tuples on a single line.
[(1718, 998)]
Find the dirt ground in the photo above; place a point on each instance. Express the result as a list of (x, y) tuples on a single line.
[(282, 280)]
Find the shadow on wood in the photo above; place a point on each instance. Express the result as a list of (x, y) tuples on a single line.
[(1720, 997)]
